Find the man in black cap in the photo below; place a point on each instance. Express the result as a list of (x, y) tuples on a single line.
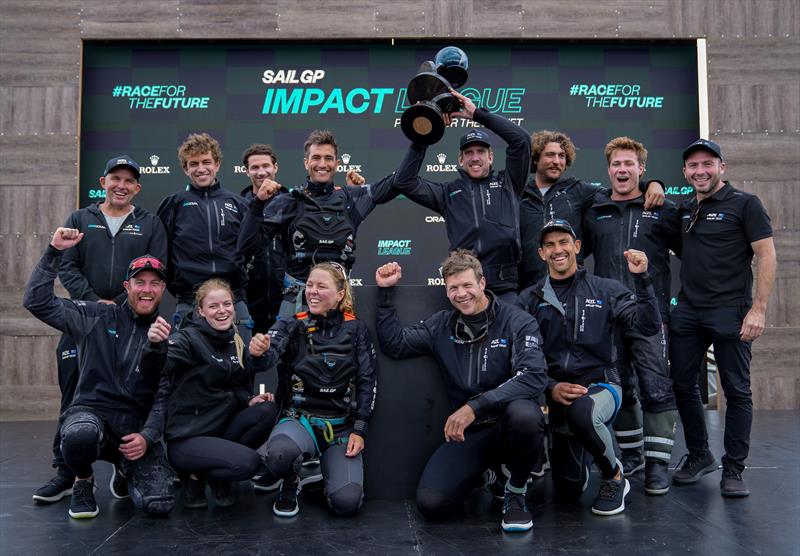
[(115, 232), (722, 228), (108, 415), (481, 206), (582, 319)]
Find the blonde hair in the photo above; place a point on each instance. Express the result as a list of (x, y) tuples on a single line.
[(339, 275), (213, 284), (199, 143), (626, 144)]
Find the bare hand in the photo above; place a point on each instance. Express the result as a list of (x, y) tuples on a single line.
[(354, 178), (752, 325), (467, 106), (133, 446), (457, 422), (388, 275), (565, 393), (159, 330), (354, 445), (259, 344), (268, 189), (64, 238), (637, 261), (261, 398), (654, 196)]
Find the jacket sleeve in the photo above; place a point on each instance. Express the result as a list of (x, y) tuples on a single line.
[(166, 213), (73, 317), (156, 422), (395, 341), (429, 194), (366, 380), (282, 335), (518, 151), (669, 228), (367, 197), (157, 246), (528, 368), (70, 272), (586, 193), (586, 241), (638, 312), (251, 239)]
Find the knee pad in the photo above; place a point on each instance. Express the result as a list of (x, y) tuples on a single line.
[(347, 500), (82, 432), (283, 456), (151, 482), (434, 504)]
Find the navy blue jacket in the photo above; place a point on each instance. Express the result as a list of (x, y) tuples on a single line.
[(202, 228), (506, 365), (480, 215), (110, 339), (608, 232), (96, 267), (582, 335)]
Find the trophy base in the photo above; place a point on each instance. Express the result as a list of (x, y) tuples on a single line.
[(422, 123)]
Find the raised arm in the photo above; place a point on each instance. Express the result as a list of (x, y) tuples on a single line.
[(638, 312)]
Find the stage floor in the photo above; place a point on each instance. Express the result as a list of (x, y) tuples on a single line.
[(690, 519)]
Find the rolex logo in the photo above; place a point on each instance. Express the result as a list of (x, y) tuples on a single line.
[(154, 159), (441, 157), (346, 158), (154, 168)]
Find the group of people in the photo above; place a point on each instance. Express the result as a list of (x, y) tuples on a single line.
[(261, 284)]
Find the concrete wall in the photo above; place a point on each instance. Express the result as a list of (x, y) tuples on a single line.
[(754, 98)]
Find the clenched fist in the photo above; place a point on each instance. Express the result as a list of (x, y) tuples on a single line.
[(259, 344), (637, 261), (159, 330), (268, 189), (354, 178), (64, 238), (388, 275)]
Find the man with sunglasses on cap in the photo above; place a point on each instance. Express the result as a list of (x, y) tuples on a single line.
[(582, 318), (115, 232), (108, 416), (722, 228), (481, 206), (492, 364)]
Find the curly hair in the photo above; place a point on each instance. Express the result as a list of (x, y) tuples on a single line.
[(540, 139), (199, 143)]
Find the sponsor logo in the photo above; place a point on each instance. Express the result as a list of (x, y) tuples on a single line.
[(594, 303), (190, 204), (356, 282), (441, 167), (347, 167), (604, 217), (154, 168), (498, 343), (327, 390), (531, 341), (132, 229), (434, 219), (387, 247), (654, 214), (436, 281), (270, 77), (231, 207), (69, 354), (456, 192), (98, 226), (715, 217), (112, 332), (97, 194)]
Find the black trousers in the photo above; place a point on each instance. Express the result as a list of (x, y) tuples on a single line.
[(455, 468), (231, 457), (693, 331), (67, 363)]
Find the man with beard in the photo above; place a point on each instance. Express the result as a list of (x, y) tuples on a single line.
[(108, 417)]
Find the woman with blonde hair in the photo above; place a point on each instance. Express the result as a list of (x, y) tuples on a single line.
[(214, 422), (326, 393)]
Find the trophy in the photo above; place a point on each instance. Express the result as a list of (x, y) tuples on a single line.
[(429, 95)]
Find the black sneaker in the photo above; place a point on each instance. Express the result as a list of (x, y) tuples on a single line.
[(223, 493), (516, 516), (118, 484), (54, 490), (732, 485), (632, 462), (495, 484), (656, 477), (611, 498), (82, 505), (194, 492), (286, 504), (694, 468), (542, 464), (264, 482)]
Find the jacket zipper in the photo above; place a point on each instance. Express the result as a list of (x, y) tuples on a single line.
[(477, 222), (210, 238)]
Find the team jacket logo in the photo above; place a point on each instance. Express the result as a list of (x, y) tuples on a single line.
[(499, 343), (98, 226), (154, 168), (441, 167), (715, 217), (594, 303), (531, 341), (654, 214), (190, 204), (132, 229), (231, 207)]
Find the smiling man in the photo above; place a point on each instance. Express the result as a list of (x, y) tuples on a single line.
[(316, 222), (202, 223), (108, 416), (490, 358), (115, 231), (722, 229)]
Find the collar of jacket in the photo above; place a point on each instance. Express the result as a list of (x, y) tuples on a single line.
[(603, 198), (333, 319), (724, 192), (95, 209), (580, 274), (122, 302), (318, 189), (532, 190), (194, 320), (490, 176), (216, 186)]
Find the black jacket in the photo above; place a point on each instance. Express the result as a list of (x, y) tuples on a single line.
[(290, 344), (487, 374), (582, 335), (568, 199), (202, 228), (110, 339), (480, 215), (96, 267), (278, 217), (207, 385), (608, 232)]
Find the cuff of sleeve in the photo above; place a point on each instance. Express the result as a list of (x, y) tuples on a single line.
[(644, 184), (360, 427), (480, 115), (148, 436), (551, 383), (642, 281), (478, 405), (386, 297)]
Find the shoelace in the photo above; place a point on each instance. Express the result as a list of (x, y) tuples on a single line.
[(609, 489), (288, 491), (80, 491), (519, 499), (731, 474)]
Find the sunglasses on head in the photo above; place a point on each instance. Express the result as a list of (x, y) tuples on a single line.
[(145, 262)]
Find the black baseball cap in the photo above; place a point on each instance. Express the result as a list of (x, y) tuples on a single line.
[(703, 145), (474, 136), (146, 262), (122, 160), (557, 224)]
